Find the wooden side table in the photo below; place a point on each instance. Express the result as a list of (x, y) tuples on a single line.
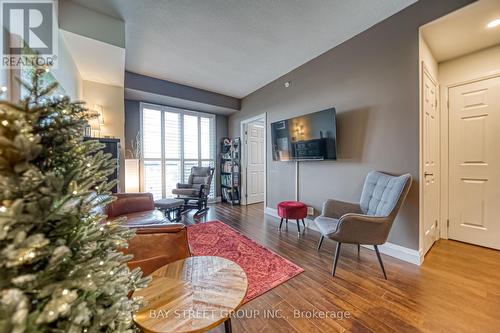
[(194, 294)]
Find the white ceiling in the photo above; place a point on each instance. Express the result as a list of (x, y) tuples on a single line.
[(463, 31), (234, 47)]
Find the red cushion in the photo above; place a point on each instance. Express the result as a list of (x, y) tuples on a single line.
[(292, 210)]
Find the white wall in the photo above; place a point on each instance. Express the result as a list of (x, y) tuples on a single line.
[(5, 82), (112, 100), (426, 56), (471, 66), (67, 73)]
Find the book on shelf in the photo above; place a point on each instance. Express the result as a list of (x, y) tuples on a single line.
[(230, 166), (231, 194), (230, 169), (230, 180)]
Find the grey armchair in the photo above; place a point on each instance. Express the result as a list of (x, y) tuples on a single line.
[(369, 221), (195, 192)]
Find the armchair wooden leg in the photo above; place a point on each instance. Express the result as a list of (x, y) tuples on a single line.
[(281, 222), (320, 242), (227, 326), (380, 260), (359, 248), (298, 227), (202, 206), (304, 224), (336, 258)]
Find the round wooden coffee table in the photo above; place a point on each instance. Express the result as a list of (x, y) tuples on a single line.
[(191, 295)]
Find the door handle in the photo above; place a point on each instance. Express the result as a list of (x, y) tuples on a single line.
[(428, 174)]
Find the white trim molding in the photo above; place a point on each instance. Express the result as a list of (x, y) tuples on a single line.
[(411, 256), (415, 257)]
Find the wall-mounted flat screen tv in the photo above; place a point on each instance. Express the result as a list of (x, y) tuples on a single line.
[(309, 137)]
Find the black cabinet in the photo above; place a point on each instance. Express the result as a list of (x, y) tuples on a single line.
[(111, 146)]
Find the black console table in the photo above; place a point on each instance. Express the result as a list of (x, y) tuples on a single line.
[(111, 146)]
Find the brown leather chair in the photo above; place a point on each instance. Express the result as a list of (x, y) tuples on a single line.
[(138, 208), (157, 241), (157, 245)]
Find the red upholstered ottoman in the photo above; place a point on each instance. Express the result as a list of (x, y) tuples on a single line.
[(294, 210)]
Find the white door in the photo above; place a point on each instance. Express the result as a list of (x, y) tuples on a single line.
[(475, 163), (255, 163), (431, 161)]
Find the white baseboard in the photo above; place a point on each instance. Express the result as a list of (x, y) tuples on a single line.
[(397, 251), (400, 252)]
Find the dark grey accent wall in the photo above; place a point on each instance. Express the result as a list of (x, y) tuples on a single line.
[(132, 127), (221, 131), (372, 80), (132, 121), (152, 85)]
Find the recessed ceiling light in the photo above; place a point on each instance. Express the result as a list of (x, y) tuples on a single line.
[(494, 23), (287, 84)]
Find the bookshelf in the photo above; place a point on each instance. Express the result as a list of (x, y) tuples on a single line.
[(230, 166)]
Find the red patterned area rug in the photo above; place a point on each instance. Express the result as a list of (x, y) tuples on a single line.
[(264, 268)]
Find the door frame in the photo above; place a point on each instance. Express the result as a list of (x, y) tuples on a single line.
[(262, 116), (425, 71), (445, 151)]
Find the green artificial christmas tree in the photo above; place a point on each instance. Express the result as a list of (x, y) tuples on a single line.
[(60, 265)]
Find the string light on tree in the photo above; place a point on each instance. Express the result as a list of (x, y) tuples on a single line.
[(53, 251)]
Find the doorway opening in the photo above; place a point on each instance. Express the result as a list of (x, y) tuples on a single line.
[(253, 160), (460, 127)]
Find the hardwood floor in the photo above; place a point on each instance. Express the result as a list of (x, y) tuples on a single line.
[(457, 289)]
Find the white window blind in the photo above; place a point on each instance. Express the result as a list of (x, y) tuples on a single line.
[(174, 140)]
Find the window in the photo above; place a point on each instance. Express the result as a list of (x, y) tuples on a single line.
[(174, 140)]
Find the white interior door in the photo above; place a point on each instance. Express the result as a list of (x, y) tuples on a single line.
[(431, 161), (475, 163), (255, 162)]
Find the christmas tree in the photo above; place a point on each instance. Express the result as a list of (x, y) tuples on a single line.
[(61, 269)]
